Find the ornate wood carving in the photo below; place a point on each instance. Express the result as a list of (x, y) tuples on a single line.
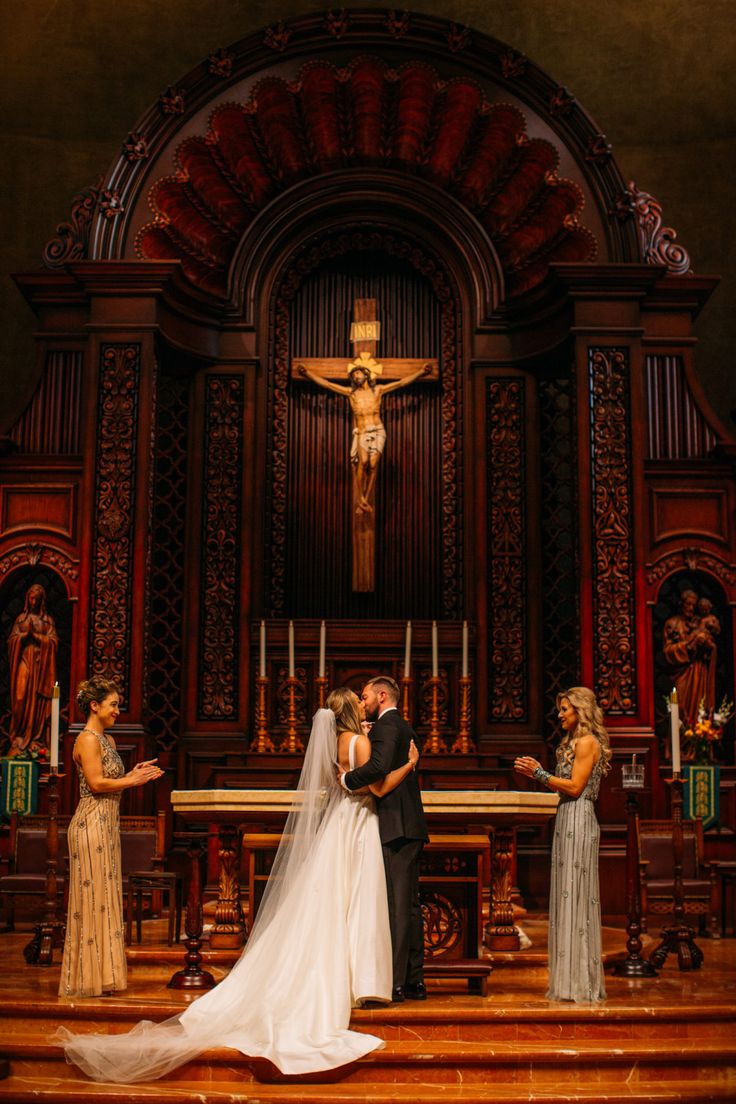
[(458, 38), (398, 25), (443, 924), (277, 525), (112, 557), (220, 63), (72, 237), (410, 119), (337, 23), (277, 38), (171, 101), (613, 569), (507, 541), (220, 604), (658, 242), (694, 559), (33, 554), (135, 147)]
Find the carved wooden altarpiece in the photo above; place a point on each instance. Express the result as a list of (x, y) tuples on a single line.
[(568, 464)]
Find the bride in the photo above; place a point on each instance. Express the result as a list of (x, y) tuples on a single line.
[(320, 943)]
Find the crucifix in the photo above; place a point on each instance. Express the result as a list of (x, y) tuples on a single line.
[(364, 393)]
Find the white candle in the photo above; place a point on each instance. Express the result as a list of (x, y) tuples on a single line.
[(675, 725), (291, 649), (465, 649), (407, 650), (54, 741), (435, 651), (322, 648), (262, 667)]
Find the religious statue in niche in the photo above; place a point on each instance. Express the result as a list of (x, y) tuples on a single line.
[(32, 647), (364, 394), (691, 650)]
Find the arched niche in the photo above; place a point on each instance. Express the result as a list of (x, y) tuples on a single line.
[(13, 590), (668, 605)]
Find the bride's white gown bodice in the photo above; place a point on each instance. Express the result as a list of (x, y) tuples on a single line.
[(288, 998)]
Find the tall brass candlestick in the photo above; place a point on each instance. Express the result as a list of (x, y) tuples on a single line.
[(321, 684), (436, 742), (293, 742), (464, 744), (406, 692), (263, 742)]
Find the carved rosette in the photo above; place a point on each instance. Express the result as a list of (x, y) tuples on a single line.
[(507, 541), (112, 556), (219, 644), (613, 568), (277, 38), (278, 410)]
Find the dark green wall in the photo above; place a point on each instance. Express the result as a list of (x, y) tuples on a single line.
[(659, 79)]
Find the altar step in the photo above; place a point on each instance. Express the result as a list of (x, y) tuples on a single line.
[(614, 1067)]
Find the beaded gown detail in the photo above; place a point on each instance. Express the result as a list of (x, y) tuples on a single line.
[(575, 953), (94, 946)]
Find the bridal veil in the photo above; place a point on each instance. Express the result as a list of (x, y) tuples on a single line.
[(288, 997)]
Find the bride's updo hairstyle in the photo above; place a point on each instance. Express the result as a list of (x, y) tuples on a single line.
[(344, 704), (590, 723), (95, 689)]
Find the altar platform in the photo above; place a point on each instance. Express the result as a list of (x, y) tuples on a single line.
[(666, 1040)]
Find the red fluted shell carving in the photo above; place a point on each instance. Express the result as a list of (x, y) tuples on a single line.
[(366, 114)]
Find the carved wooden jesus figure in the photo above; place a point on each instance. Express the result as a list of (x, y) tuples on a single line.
[(364, 393), (369, 432)]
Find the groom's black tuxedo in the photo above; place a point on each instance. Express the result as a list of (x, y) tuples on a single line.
[(403, 834)]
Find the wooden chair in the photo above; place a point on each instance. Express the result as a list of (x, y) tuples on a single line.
[(701, 885), (142, 849), (26, 876)]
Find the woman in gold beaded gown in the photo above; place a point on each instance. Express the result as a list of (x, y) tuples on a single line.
[(94, 948)]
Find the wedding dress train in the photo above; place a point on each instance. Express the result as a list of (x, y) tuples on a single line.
[(320, 944)]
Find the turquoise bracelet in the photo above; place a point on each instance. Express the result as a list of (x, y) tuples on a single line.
[(542, 776)]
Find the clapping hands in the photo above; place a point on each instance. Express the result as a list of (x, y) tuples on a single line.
[(147, 771)]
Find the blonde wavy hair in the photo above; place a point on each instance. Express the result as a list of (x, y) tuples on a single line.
[(590, 723), (344, 704)]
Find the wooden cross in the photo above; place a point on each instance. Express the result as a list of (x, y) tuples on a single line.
[(368, 381)]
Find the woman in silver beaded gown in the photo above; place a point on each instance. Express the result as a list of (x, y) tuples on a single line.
[(94, 950), (575, 954)]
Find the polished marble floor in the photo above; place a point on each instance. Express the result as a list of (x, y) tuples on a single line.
[(672, 1038)]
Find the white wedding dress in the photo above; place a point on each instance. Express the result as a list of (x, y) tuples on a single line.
[(320, 944)]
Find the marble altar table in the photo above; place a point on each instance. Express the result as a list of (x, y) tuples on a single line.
[(496, 812)]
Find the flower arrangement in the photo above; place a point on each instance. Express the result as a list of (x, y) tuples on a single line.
[(700, 740)]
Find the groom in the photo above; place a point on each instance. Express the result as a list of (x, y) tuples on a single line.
[(403, 832)]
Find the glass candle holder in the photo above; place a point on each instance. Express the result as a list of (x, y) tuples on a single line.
[(632, 776)]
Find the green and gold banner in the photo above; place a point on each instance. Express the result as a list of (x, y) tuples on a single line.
[(19, 792), (702, 793)]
